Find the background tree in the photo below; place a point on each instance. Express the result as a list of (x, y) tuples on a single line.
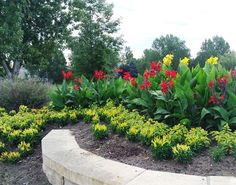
[(30, 31), (170, 44), (95, 47), (144, 62), (216, 46), (228, 60)]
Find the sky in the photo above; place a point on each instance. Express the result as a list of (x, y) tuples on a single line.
[(193, 21)]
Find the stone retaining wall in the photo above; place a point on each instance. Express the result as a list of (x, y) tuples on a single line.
[(65, 163)]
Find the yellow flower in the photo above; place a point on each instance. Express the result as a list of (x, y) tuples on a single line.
[(168, 59), (185, 61), (212, 60)]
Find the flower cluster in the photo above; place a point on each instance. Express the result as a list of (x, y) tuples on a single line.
[(166, 86), (233, 74), (168, 59), (99, 75), (171, 74), (212, 60), (67, 75), (185, 61), (155, 66), (145, 85)]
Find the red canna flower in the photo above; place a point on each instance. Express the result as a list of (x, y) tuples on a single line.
[(67, 75), (155, 66), (118, 70), (148, 74), (171, 74), (233, 73), (212, 100), (76, 87), (133, 81), (222, 97), (145, 85), (164, 87), (210, 84), (127, 76), (98, 75)]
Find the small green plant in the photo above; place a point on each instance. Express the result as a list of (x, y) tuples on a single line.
[(11, 157), (2, 147), (122, 128), (182, 153), (24, 148), (132, 133), (161, 148), (197, 139), (217, 153), (99, 131)]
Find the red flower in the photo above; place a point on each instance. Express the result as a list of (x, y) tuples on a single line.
[(210, 84), (145, 85), (99, 75), (155, 66), (212, 100), (118, 70), (148, 74), (76, 87), (78, 80), (67, 75), (233, 74), (222, 81), (222, 97), (171, 74), (165, 86), (127, 76), (133, 81)]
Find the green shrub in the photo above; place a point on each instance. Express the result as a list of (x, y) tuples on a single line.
[(161, 148), (33, 93), (10, 157), (217, 153), (24, 148), (2, 147), (182, 153), (197, 139), (100, 131)]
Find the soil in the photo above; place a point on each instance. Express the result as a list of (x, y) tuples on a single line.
[(29, 170), (118, 148)]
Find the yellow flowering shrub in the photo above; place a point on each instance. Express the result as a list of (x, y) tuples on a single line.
[(24, 148)]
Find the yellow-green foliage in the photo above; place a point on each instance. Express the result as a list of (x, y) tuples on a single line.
[(100, 131), (24, 148), (161, 148), (23, 129), (182, 153), (11, 157), (197, 139), (225, 138), (177, 134)]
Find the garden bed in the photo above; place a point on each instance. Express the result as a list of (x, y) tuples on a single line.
[(120, 149)]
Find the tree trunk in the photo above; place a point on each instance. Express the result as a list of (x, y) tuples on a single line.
[(7, 69)]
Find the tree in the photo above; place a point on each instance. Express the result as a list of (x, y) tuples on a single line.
[(30, 31), (228, 60), (215, 47), (144, 63), (95, 47), (170, 44)]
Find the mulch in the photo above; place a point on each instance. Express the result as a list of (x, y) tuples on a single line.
[(28, 171)]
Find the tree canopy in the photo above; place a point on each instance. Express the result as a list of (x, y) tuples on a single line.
[(216, 46), (95, 46), (170, 44)]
